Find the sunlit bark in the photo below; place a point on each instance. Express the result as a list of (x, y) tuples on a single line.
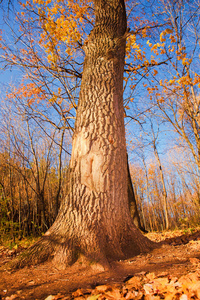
[(94, 219)]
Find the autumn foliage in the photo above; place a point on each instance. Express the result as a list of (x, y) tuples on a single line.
[(161, 83)]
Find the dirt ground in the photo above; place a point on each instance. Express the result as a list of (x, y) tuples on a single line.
[(169, 272)]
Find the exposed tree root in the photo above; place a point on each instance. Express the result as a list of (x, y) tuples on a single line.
[(49, 248), (38, 253)]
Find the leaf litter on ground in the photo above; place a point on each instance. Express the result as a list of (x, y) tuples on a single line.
[(144, 285), (147, 287)]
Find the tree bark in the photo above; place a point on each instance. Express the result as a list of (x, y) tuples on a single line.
[(94, 221), (165, 205), (132, 202)]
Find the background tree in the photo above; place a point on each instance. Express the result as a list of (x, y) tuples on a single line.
[(34, 159), (176, 94)]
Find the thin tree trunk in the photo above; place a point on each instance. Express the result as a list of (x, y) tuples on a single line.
[(132, 202), (59, 173), (20, 209), (12, 203), (147, 192), (28, 212), (154, 217), (150, 216), (164, 188)]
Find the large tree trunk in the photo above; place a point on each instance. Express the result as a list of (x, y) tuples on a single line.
[(94, 220)]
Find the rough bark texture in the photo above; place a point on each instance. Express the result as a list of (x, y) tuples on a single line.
[(94, 220)]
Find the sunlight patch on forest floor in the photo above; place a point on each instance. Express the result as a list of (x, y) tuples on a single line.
[(170, 272)]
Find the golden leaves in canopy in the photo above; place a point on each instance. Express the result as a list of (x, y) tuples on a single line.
[(62, 24)]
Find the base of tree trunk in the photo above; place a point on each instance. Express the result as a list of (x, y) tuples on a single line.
[(64, 253)]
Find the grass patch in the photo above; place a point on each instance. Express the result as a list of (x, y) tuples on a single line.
[(25, 242)]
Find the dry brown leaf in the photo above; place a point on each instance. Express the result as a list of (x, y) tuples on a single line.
[(134, 283), (151, 297), (170, 296), (171, 288), (162, 274), (161, 282), (191, 277), (148, 288), (184, 297), (194, 290), (103, 288), (151, 276), (12, 297), (191, 289), (81, 292), (114, 294), (102, 297), (194, 260), (160, 287), (94, 297), (197, 290), (50, 297), (77, 293), (172, 279), (60, 296), (31, 282), (133, 295)]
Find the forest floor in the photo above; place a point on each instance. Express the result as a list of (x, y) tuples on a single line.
[(169, 272)]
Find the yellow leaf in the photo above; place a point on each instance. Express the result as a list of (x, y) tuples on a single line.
[(185, 61), (162, 39), (94, 297)]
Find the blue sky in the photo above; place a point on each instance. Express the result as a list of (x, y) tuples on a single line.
[(166, 136)]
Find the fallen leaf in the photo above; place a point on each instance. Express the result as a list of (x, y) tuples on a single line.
[(31, 282), (103, 288), (114, 294), (161, 282), (184, 297), (60, 296), (148, 288), (131, 295), (151, 297), (150, 276), (81, 292), (194, 260), (12, 297), (94, 297), (134, 282), (50, 297), (163, 274)]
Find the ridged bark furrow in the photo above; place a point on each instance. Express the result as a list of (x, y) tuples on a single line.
[(94, 220)]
